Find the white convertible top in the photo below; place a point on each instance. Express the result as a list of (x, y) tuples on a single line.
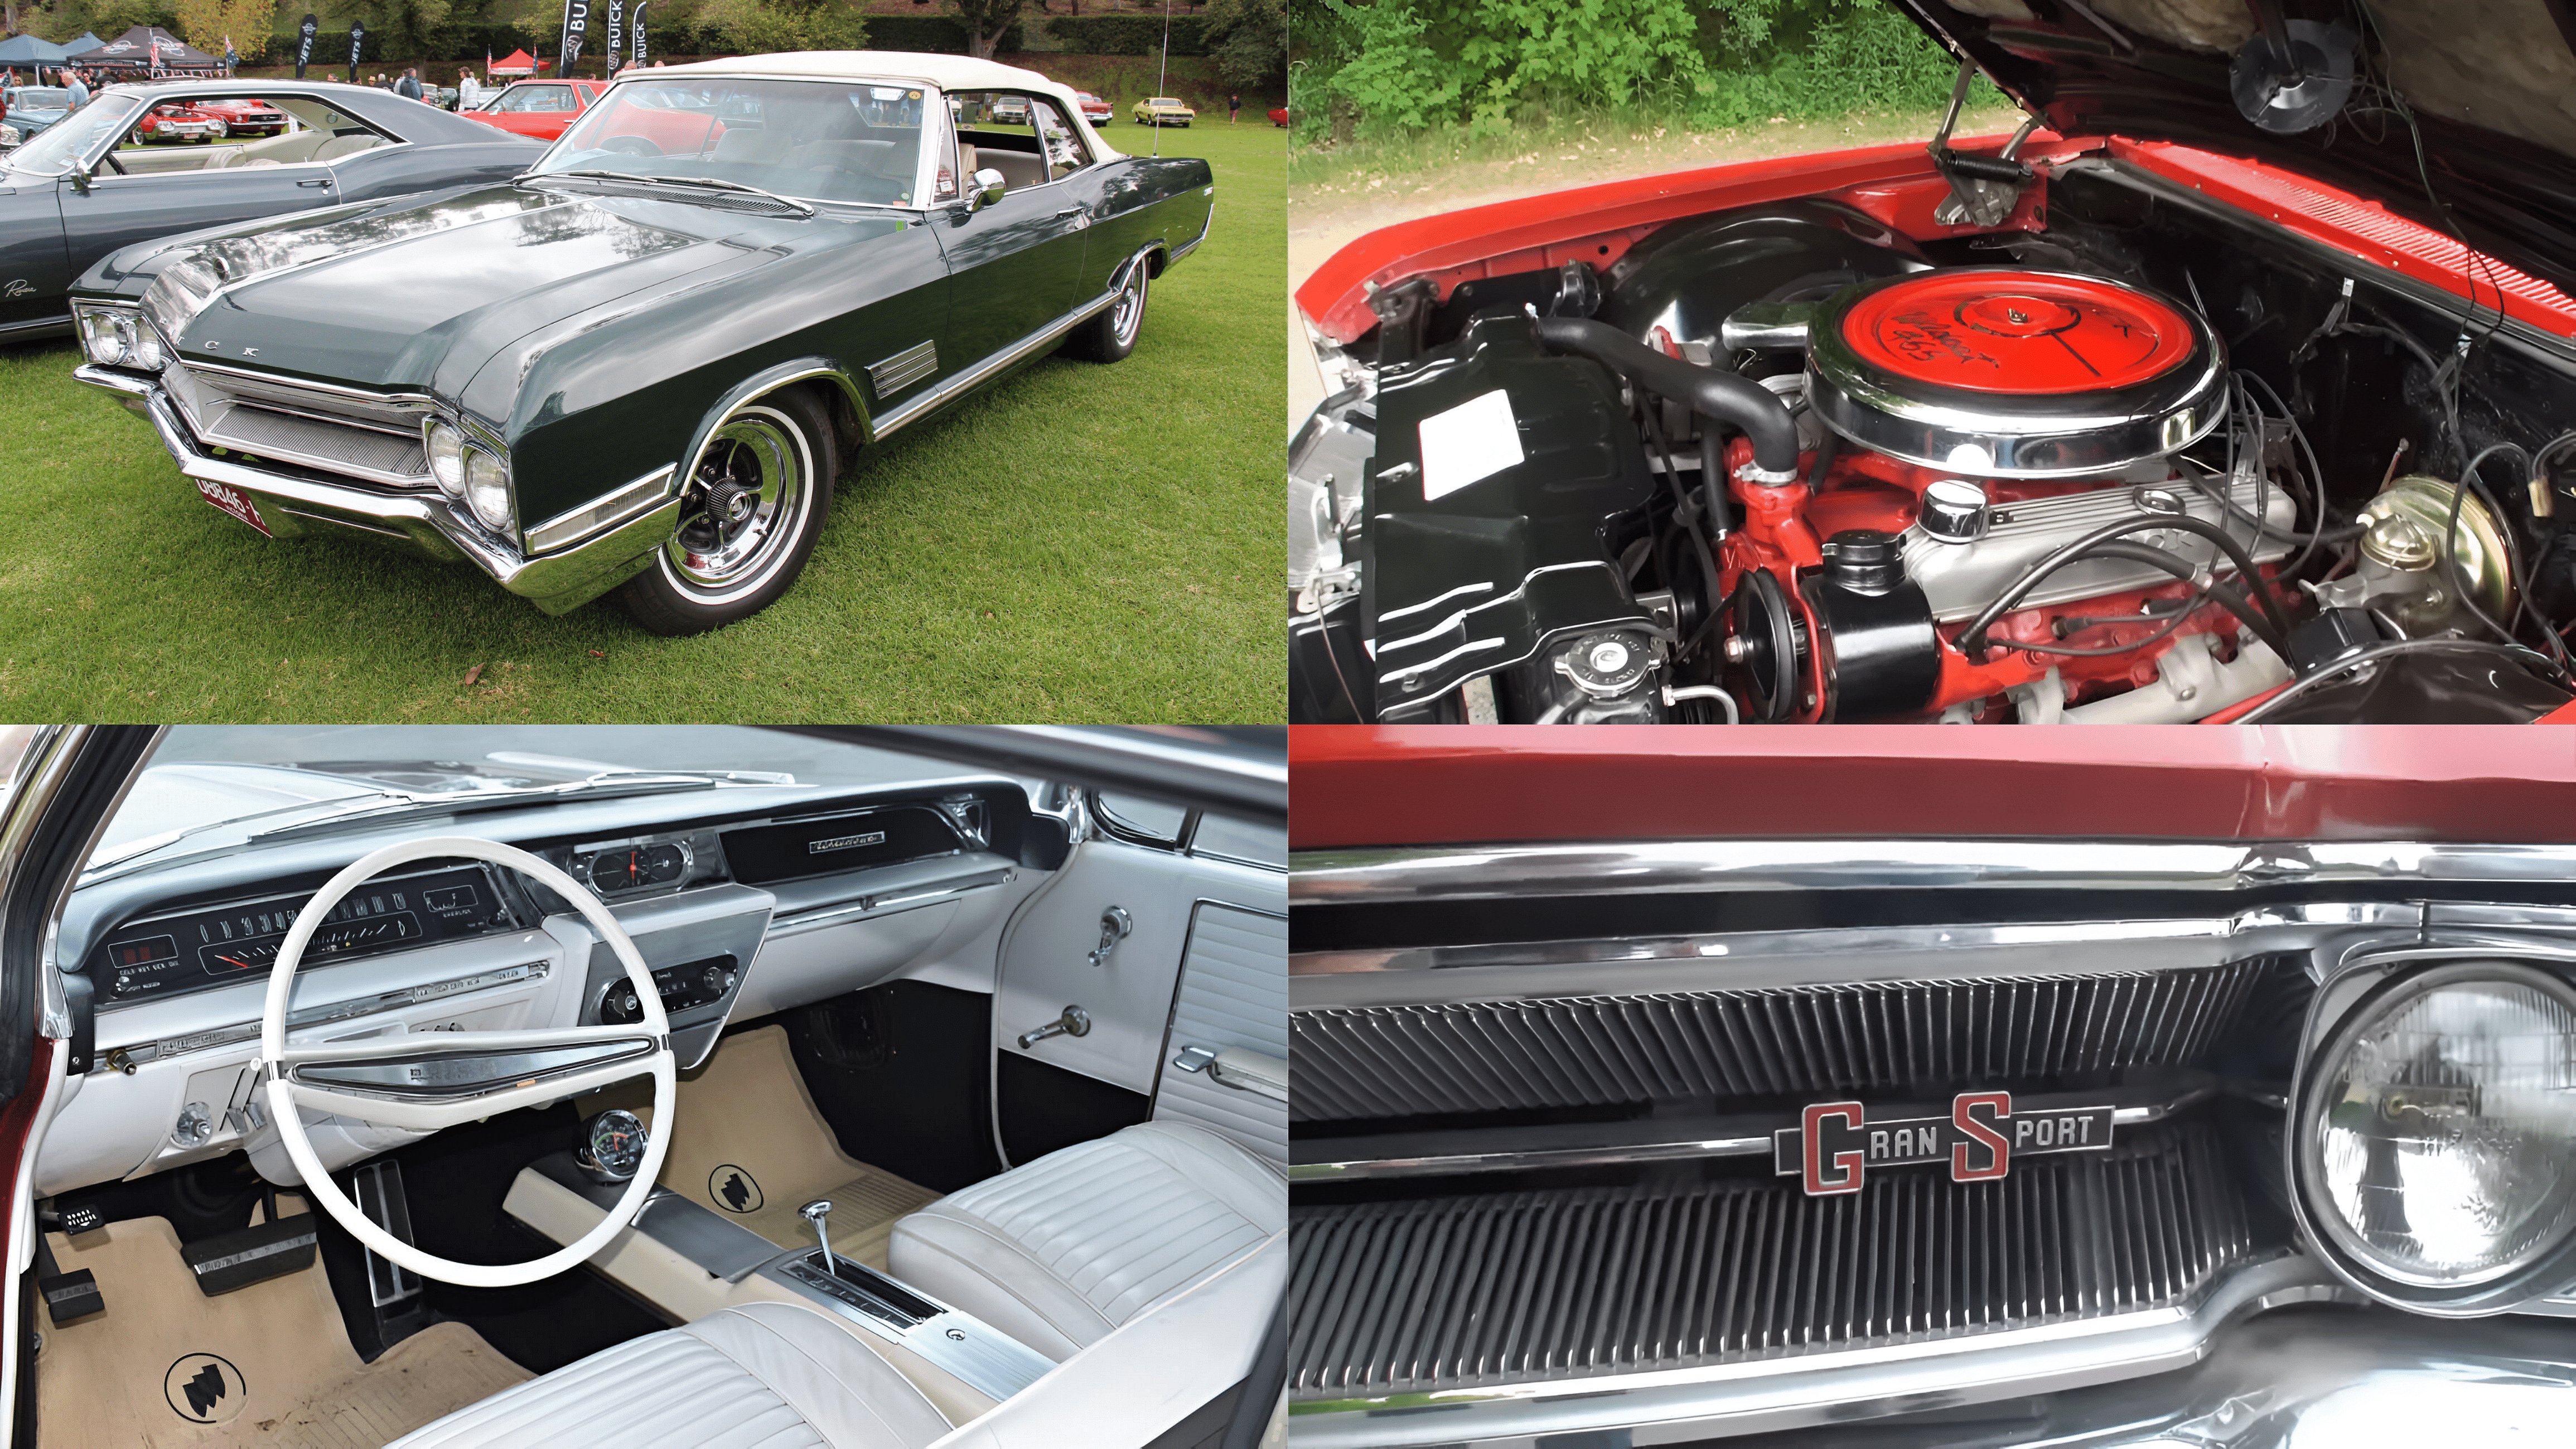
[(943, 72)]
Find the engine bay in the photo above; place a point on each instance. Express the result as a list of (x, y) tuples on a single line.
[(2123, 455)]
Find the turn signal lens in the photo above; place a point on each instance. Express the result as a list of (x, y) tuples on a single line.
[(2442, 1127), (487, 489), (447, 458)]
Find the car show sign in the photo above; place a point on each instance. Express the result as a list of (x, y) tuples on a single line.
[(304, 44), (576, 20), (357, 37), (616, 34), (637, 60)]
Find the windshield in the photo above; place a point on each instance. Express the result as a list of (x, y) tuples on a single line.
[(813, 140), (39, 98), (258, 779), (63, 143)]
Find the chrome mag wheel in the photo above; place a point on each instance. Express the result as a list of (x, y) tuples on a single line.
[(754, 486), (1128, 312)]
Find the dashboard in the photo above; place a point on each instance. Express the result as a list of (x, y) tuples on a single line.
[(744, 899)]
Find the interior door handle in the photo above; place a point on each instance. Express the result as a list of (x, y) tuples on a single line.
[(1115, 923)]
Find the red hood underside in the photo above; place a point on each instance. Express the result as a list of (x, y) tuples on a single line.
[(1370, 785)]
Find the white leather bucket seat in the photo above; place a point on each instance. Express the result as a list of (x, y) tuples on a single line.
[(1060, 1251), (1146, 1263), (771, 1375)]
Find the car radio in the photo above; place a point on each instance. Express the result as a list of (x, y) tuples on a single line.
[(682, 987)]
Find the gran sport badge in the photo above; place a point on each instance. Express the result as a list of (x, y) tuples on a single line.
[(1835, 1143)]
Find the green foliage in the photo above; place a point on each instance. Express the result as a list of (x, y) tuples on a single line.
[(759, 27), (1134, 34), (1249, 40), (1401, 66), (935, 34), (984, 22), (108, 19)]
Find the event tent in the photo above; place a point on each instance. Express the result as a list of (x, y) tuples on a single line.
[(517, 62), (28, 50), (135, 49)]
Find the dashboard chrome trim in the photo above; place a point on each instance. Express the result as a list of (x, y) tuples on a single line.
[(868, 907), (150, 1051)]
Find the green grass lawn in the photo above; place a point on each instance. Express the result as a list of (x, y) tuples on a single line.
[(1081, 543)]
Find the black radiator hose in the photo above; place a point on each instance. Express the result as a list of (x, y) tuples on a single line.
[(1716, 395)]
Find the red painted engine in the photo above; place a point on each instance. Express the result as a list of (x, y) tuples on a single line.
[(1993, 515)]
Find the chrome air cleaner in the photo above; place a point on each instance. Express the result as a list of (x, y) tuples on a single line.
[(2001, 372)]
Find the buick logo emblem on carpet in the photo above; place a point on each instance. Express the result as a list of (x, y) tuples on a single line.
[(1835, 1143), (204, 1389), (733, 1189)]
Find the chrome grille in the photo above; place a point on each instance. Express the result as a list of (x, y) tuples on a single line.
[(372, 439), (904, 368), (1399, 1061), (1456, 1292)]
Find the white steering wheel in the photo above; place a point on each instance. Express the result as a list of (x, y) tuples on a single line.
[(430, 1080)]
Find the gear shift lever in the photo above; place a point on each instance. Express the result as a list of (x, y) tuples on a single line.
[(819, 1213)]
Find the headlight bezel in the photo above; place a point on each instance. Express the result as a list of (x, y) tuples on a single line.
[(2337, 1019), (479, 459), (90, 319), (433, 432)]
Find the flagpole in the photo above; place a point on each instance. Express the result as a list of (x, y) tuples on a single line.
[(1163, 75)]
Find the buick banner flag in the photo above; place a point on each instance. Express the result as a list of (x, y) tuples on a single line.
[(576, 20), (616, 50), (638, 61), (304, 44), (357, 37)]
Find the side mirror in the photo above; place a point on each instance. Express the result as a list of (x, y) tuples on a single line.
[(80, 179), (988, 188)]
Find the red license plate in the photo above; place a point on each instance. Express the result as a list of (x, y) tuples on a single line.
[(234, 502)]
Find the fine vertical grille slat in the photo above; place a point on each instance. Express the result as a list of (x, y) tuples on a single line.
[(1398, 1061), (1400, 1297)]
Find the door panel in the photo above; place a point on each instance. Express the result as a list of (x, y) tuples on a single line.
[(119, 211), (1233, 995), (1016, 265), (1130, 995), (33, 273)]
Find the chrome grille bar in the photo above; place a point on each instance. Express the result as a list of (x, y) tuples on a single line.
[(1398, 1061), (1405, 1297), (374, 440)]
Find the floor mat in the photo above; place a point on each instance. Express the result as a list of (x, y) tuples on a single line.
[(270, 1364), (751, 1145)]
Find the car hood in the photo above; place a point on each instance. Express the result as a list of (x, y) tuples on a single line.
[(419, 296), (2484, 81)]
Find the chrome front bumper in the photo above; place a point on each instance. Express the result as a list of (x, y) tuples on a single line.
[(425, 525)]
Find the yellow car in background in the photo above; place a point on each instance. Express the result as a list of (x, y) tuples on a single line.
[(1163, 111)]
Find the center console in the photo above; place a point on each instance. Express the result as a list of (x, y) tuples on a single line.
[(688, 1261)]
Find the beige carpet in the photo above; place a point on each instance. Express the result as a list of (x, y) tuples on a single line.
[(277, 1350), (751, 1145)]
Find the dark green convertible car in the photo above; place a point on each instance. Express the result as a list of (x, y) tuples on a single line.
[(641, 365)]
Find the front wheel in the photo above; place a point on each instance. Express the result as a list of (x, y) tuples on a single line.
[(757, 497), (1112, 335)]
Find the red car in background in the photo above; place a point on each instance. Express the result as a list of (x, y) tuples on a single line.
[(540, 109), (1094, 109), (245, 117), (180, 121), (1279, 116)]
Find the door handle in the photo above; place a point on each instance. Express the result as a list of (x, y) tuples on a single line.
[(1074, 1022), (1068, 211), (1115, 923), (324, 183)]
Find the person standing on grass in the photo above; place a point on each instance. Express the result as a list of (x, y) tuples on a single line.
[(72, 83), (469, 92), (409, 86), (1233, 108)]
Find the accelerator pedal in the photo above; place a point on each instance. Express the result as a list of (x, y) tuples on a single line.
[(392, 1289), (270, 1248)]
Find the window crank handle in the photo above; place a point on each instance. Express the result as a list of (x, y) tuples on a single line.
[(1074, 1022)]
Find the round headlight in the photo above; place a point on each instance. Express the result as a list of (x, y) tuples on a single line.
[(2439, 1137), (487, 489), (147, 347), (447, 458), (109, 336)]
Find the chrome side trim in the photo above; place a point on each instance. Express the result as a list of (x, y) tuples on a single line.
[(1592, 1144), (1624, 868), (602, 513), (904, 368), (1047, 336), (1743, 1398)]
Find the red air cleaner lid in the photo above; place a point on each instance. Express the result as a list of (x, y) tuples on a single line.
[(2016, 332)]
